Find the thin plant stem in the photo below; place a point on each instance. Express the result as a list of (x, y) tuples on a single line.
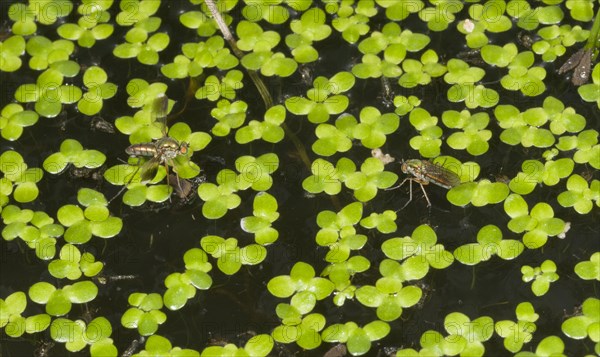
[(593, 42), (258, 82)]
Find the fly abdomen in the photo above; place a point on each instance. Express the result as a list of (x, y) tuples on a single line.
[(146, 149)]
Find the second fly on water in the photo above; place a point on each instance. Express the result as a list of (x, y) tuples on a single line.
[(425, 172), (161, 151)]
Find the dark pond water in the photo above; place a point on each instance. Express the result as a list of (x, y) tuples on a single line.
[(155, 237)]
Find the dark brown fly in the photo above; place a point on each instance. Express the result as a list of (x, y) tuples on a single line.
[(424, 172)]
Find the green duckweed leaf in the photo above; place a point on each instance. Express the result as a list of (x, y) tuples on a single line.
[(374, 127), (542, 276), (369, 179), (479, 194), (269, 129), (499, 56), (24, 20), (589, 269), (585, 324), (589, 92), (579, 195), (11, 50), (255, 172)]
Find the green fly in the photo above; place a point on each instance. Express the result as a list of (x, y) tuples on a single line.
[(160, 152), (425, 172)]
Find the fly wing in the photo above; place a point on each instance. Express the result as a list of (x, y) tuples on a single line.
[(442, 176), (149, 168), (160, 106)]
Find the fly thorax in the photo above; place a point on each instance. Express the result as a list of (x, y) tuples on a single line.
[(169, 147)]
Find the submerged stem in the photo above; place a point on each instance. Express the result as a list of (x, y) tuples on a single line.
[(258, 82)]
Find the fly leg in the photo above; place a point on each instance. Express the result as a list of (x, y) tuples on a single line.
[(400, 185), (128, 182), (425, 194), (410, 193), (410, 197), (421, 183), (181, 191), (168, 177)]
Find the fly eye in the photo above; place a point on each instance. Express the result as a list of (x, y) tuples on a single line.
[(183, 150)]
